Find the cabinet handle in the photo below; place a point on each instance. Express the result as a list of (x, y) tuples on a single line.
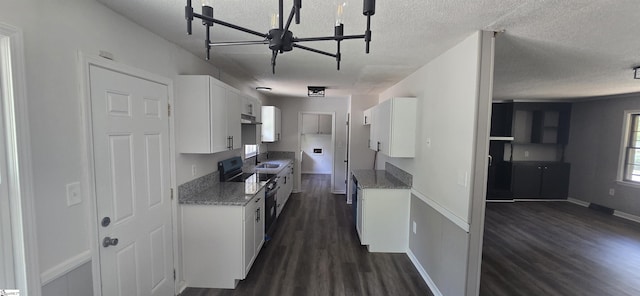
[(257, 200), (378, 147), (258, 215)]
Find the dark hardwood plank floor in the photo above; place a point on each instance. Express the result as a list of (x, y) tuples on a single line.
[(558, 248), (315, 251)]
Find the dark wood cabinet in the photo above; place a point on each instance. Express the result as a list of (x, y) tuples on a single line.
[(501, 119), (541, 123), (499, 173), (544, 180)]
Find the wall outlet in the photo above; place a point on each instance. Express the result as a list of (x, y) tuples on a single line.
[(612, 192), (73, 194), (414, 227), (526, 154), (193, 170)]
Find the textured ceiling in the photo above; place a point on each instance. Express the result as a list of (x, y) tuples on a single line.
[(551, 49)]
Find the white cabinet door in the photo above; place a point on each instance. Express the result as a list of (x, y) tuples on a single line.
[(360, 216), (270, 124), (309, 123), (383, 219), (324, 124), (373, 130), (258, 227), (234, 125), (249, 229), (218, 117), (383, 124), (366, 118), (278, 124)]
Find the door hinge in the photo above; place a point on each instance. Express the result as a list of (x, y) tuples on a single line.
[(174, 274), (169, 110), (171, 190)]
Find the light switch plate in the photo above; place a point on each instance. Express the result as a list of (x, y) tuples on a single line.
[(74, 195)]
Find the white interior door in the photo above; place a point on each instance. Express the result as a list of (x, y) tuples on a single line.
[(132, 174)]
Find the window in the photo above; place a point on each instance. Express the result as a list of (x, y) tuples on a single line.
[(631, 165), (250, 150)]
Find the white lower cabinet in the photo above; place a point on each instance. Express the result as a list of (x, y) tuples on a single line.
[(285, 187), (383, 219), (220, 243)]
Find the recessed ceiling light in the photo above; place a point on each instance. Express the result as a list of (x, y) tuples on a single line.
[(263, 88)]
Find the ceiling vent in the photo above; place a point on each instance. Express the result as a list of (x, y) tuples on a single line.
[(315, 91)]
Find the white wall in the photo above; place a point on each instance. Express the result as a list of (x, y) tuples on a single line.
[(313, 163), (55, 32), (290, 108), (447, 89)]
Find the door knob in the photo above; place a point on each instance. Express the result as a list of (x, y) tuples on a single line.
[(107, 241)]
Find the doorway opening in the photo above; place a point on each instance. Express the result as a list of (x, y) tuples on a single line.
[(316, 145)]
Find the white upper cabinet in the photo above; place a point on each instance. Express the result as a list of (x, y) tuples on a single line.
[(207, 115), (366, 118), (234, 123), (316, 124), (271, 124), (393, 127)]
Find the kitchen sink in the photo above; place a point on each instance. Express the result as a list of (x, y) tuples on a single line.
[(268, 166)]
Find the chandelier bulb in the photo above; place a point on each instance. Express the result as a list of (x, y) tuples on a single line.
[(340, 7), (274, 21), (206, 3)]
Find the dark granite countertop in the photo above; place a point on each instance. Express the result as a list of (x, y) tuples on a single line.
[(226, 193), (380, 179)]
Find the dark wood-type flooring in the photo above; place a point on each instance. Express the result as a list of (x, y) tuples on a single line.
[(315, 251), (558, 248)]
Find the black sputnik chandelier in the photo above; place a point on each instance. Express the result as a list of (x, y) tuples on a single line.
[(279, 38)]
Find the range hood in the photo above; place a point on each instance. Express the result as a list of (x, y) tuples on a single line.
[(248, 119)]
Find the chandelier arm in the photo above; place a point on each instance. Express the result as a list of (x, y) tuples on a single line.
[(274, 55), (314, 50), (231, 43), (335, 38), (286, 28), (229, 25), (280, 13)]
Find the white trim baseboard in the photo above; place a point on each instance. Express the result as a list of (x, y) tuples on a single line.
[(182, 285), (627, 216), (578, 202), (423, 273), (617, 213), (442, 210), (65, 267)]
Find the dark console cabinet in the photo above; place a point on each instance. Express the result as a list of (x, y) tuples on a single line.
[(543, 180)]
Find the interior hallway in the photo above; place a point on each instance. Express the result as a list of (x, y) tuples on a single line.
[(316, 251), (558, 248)]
